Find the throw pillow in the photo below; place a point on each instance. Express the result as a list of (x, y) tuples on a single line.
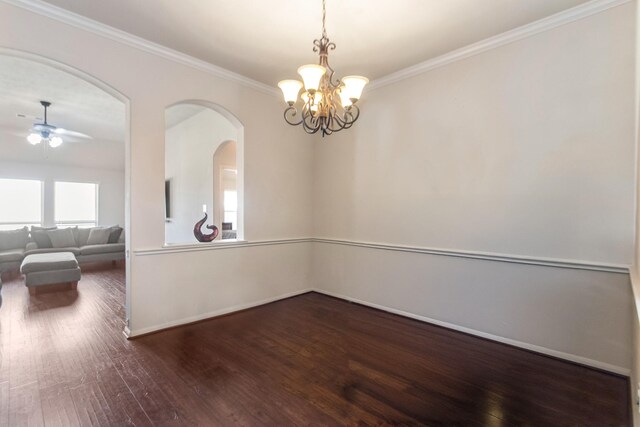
[(38, 228), (40, 236), (114, 236), (62, 238), (82, 235), (98, 236), (14, 239)]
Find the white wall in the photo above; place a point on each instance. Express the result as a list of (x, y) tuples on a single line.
[(110, 187), (525, 150), (576, 314), (190, 146), (635, 278), (277, 159)]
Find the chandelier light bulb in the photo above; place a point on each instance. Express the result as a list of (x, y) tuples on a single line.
[(34, 139), (344, 98), (290, 90), (55, 141), (317, 97), (353, 86), (311, 75)]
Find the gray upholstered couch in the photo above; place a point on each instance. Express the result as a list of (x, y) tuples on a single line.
[(16, 244), (13, 244)]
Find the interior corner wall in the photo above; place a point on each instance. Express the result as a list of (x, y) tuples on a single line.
[(525, 150), (110, 186), (166, 287)]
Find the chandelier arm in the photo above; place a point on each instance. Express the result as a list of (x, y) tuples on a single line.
[(357, 113), (344, 121), (310, 130), (331, 76), (349, 119), (295, 112), (309, 124)]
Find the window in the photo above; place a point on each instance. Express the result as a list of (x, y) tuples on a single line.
[(20, 203), (231, 208), (76, 204)]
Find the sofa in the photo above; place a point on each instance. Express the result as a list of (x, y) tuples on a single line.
[(94, 244)]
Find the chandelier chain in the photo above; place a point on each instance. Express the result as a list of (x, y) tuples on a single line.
[(324, 18)]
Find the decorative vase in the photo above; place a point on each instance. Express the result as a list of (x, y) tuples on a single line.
[(200, 236)]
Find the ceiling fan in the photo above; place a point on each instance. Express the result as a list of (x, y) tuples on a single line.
[(45, 132)]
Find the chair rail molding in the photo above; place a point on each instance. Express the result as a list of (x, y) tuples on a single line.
[(487, 256)]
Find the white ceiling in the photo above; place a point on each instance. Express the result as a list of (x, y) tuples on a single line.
[(268, 40), (179, 113), (76, 105)]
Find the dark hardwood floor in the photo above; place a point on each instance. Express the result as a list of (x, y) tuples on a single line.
[(308, 360)]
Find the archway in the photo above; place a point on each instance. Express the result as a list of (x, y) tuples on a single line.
[(202, 140), (81, 102)]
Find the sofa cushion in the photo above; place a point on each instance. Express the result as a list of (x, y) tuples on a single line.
[(14, 239), (40, 236), (73, 250), (82, 235), (11, 255), (98, 236), (102, 249), (62, 237), (114, 236)]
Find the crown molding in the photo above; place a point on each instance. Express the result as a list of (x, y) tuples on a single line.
[(565, 17), (570, 15), (95, 27)]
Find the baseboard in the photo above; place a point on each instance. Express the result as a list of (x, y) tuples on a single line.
[(135, 333), (531, 347)]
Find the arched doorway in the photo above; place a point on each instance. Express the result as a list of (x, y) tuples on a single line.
[(84, 176)]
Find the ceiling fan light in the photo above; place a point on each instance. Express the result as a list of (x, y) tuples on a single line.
[(34, 138), (290, 90), (55, 141), (311, 75), (353, 86)]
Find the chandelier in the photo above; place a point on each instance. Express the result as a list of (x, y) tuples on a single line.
[(328, 103)]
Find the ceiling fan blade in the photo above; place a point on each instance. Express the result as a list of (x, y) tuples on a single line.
[(61, 131), (29, 117)]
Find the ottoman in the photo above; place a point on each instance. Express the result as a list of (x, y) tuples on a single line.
[(50, 271)]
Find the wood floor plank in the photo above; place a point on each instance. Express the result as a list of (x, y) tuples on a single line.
[(4, 404), (25, 406), (308, 360), (58, 408)]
